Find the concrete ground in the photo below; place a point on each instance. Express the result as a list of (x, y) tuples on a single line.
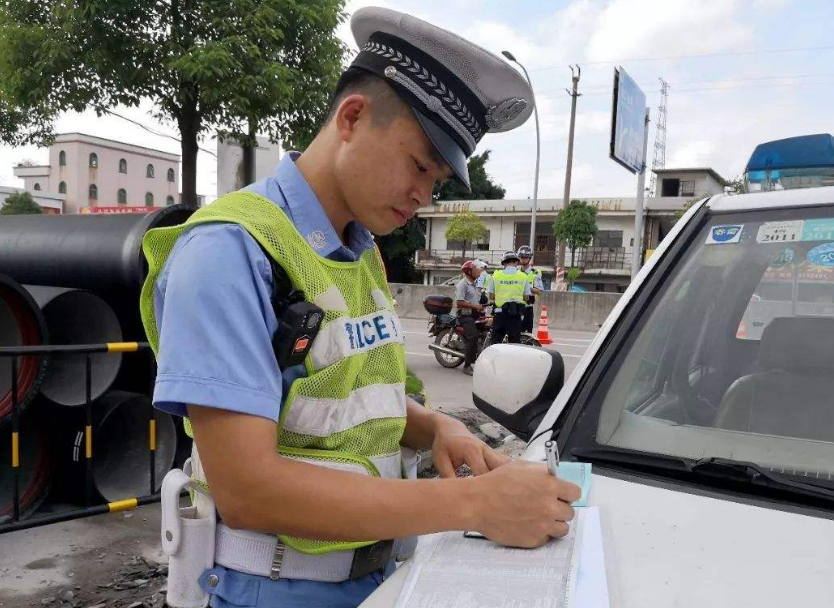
[(115, 561)]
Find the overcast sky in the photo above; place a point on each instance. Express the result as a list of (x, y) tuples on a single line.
[(740, 72)]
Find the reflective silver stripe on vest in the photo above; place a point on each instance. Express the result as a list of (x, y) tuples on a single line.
[(348, 336), (324, 417)]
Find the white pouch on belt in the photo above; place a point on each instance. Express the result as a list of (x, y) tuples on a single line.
[(187, 540)]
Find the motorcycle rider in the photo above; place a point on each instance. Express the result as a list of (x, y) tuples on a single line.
[(525, 255), (468, 299), (509, 289)]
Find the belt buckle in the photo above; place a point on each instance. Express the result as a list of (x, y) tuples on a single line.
[(370, 558)]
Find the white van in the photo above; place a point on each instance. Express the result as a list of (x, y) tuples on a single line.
[(706, 405)]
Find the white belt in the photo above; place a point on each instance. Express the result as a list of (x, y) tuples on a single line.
[(256, 553)]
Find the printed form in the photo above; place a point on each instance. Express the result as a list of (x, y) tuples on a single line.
[(451, 571)]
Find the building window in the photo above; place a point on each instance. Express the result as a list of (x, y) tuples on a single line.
[(122, 196), (62, 159), (122, 166), (149, 171), (609, 238), (148, 199), (688, 187), (170, 175), (169, 200), (37, 186), (94, 161), (62, 188), (93, 194), (670, 187)]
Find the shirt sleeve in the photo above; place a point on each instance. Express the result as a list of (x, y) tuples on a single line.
[(527, 290), (460, 290), (216, 325), (538, 282)]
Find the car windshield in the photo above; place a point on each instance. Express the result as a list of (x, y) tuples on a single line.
[(732, 356)]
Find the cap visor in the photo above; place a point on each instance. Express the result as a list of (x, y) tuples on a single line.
[(447, 147)]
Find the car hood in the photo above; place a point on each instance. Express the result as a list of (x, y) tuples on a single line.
[(665, 547)]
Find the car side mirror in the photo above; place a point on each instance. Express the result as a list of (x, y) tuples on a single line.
[(515, 385)]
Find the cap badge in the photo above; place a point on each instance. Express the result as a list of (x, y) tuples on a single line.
[(503, 112)]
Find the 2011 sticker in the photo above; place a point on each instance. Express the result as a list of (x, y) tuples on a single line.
[(722, 235), (780, 232)]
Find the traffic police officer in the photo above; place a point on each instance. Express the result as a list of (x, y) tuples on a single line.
[(525, 255), (468, 302), (304, 464), (509, 290)]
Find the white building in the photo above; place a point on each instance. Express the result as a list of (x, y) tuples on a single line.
[(52, 204), (230, 163), (606, 264), (92, 172)]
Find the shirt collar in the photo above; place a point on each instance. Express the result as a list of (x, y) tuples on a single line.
[(309, 217)]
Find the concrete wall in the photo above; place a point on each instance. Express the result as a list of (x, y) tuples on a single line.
[(565, 310)]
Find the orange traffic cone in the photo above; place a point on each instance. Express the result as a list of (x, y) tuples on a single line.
[(543, 335)]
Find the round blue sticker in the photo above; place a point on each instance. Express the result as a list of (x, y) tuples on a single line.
[(822, 255), (725, 234)]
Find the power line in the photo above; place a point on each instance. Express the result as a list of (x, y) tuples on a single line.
[(151, 131), (697, 56)]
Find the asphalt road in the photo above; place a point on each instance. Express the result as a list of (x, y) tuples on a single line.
[(450, 389)]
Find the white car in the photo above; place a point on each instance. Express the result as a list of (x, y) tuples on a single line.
[(712, 442)]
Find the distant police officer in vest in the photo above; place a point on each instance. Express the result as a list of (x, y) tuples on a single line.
[(304, 463), (525, 256), (468, 302), (509, 290)]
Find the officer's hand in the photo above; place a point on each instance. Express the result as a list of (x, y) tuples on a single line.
[(454, 446), (521, 505)]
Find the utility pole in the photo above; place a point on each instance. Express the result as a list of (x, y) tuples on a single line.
[(560, 263), (659, 159), (637, 249)]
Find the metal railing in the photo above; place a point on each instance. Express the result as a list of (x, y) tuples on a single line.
[(88, 509), (589, 258)]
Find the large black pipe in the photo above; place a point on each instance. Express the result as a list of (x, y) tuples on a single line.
[(33, 470), (120, 448), (75, 316), (21, 324), (99, 252)]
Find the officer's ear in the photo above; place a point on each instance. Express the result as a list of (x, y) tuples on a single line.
[(353, 111)]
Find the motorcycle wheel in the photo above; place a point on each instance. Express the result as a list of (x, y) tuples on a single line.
[(443, 339)]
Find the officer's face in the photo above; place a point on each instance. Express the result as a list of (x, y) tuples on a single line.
[(525, 261), (388, 171)]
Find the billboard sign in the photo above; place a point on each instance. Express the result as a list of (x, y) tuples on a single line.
[(628, 121)]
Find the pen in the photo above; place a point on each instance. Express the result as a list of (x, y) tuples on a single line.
[(551, 453)]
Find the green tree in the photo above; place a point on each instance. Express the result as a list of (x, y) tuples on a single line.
[(223, 65), (397, 251), (20, 203), (465, 226), (482, 186), (576, 225)]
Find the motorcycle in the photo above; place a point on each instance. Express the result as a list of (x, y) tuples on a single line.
[(449, 346)]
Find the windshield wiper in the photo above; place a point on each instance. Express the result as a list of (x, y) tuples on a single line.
[(743, 473)]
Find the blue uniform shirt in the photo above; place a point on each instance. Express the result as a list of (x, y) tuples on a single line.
[(213, 306)]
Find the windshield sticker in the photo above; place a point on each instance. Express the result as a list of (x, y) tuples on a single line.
[(818, 230), (720, 235), (822, 255), (780, 232)]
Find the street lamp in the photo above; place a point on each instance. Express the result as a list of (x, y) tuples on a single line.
[(510, 56)]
